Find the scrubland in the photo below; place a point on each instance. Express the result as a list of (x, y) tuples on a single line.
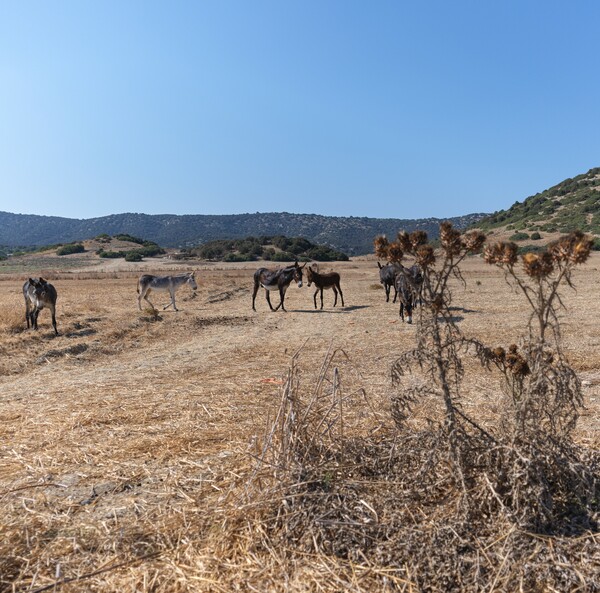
[(137, 449)]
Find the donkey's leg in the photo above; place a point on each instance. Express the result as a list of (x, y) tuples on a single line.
[(321, 298), (269, 300), (146, 293), (172, 295), (341, 294), (401, 310), (27, 312), (256, 287), (141, 295), (315, 297), (34, 318), (282, 298), (387, 292), (53, 313), (335, 295)]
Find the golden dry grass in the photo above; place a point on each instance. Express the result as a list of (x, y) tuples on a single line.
[(124, 438)]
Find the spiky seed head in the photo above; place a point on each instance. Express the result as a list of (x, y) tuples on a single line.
[(499, 353), (437, 303), (418, 238), (573, 248), (395, 252), (425, 256), (538, 266), (473, 241), (404, 241), (502, 253), (381, 245), (450, 239)]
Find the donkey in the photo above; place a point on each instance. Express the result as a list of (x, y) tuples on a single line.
[(279, 280), (409, 283), (387, 277), (38, 294), (147, 283), (323, 281)]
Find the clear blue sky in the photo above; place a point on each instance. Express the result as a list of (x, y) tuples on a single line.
[(382, 109)]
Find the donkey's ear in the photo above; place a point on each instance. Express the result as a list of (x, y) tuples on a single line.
[(380, 266), (41, 280), (31, 281)]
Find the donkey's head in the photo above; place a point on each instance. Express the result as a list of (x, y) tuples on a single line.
[(310, 272), (298, 274), (191, 280)]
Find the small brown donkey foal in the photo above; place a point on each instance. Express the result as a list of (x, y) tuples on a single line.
[(323, 281)]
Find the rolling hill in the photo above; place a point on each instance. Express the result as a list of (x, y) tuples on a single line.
[(570, 205), (352, 235)]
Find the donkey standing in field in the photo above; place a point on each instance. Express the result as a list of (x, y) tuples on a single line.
[(39, 294), (147, 283), (387, 277), (409, 283), (279, 280), (323, 281)]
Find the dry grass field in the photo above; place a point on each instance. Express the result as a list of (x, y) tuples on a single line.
[(126, 440)]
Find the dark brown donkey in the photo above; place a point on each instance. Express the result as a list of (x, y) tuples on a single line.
[(279, 280), (39, 294), (323, 281)]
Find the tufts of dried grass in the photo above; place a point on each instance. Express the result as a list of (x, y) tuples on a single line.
[(343, 501), (13, 321), (339, 501)]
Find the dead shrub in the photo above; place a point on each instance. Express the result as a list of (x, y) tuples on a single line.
[(340, 500)]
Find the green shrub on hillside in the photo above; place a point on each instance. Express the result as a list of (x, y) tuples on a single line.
[(129, 238), (133, 256), (110, 254), (519, 237), (70, 248), (277, 248)]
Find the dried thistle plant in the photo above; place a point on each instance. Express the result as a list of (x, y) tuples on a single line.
[(532, 471), (436, 357), (549, 398)]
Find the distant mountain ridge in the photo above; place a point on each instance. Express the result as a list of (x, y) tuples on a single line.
[(352, 235)]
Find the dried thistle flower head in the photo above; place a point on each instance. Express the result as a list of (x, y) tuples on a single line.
[(473, 241), (516, 362), (538, 266), (395, 252), (450, 239), (499, 353), (574, 248), (438, 303), (381, 245), (418, 238), (404, 241), (425, 256), (502, 254)]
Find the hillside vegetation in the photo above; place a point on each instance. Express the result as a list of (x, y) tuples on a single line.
[(572, 204), (277, 248), (352, 235)]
